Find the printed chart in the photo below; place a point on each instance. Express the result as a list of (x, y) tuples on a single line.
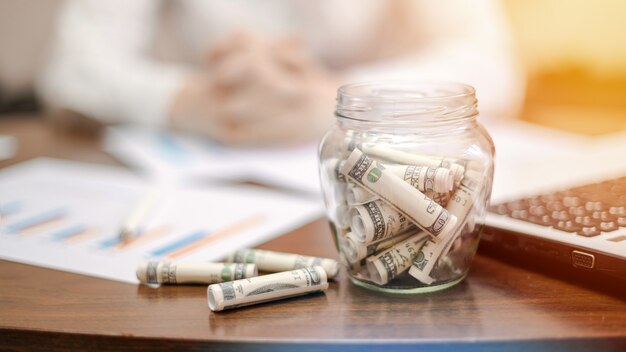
[(68, 216), (173, 156)]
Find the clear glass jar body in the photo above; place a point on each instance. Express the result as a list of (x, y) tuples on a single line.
[(406, 173)]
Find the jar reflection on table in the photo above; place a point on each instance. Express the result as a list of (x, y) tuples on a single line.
[(406, 173)]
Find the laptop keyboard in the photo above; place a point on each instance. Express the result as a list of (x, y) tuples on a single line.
[(589, 210)]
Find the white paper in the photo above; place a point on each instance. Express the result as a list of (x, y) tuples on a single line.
[(531, 159), (82, 207), (8, 147), (163, 154)]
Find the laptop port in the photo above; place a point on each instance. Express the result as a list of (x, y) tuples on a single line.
[(583, 260)]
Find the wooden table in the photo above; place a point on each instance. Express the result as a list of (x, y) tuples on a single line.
[(502, 305)]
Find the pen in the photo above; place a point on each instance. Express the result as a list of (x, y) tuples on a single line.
[(131, 226)]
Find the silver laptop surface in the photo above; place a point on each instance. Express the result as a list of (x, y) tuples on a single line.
[(560, 196)]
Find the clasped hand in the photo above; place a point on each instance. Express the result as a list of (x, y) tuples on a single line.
[(256, 91)]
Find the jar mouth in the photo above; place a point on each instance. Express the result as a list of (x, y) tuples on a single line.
[(407, 101)]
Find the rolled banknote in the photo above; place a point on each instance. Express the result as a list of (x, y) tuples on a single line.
[(441, 198), (354, 250), (335, 164), (427, 256), (462, 198), (375, 221), (239, 293), (338, 179), (347, 250), (270, 261), (460, 204), (155, 272), (359, 195), (387, 265), (401, 157), (424, 178), (342, 215), (415, 205)]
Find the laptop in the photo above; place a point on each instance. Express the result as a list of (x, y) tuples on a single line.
[(559, 196)]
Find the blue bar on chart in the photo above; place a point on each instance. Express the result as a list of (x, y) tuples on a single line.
[(36, 220), (68, 232), (171, 149), (111, 242), (10, 208), (193, 237)]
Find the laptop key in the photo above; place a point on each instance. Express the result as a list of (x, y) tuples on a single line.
[(568, 226), (587, 210), (608, 226), (588, 231)]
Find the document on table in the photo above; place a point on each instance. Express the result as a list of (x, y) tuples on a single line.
[(163, 154), (531, 159), (8, 146), (67, 216)]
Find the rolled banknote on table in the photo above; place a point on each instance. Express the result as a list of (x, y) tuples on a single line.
[(270, 261), (266, 288), (156, 272), (375, 221), (354, 250), (401, 157), (415, 205), (389, 264)]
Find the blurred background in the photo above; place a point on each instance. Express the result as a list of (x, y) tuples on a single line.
[(575, 61), (572, 55)]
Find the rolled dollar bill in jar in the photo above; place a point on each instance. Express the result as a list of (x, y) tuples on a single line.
[(406, 158)]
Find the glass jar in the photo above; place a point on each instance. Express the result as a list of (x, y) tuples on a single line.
[(406, 173)]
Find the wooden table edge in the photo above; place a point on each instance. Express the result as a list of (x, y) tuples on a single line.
[(46, 340)]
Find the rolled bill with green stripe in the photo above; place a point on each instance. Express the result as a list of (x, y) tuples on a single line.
[(415, 205), (271, 261), (155, 272), (401, 157), (239, 293)]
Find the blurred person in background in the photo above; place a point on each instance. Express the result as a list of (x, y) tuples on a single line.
[(256, 73)]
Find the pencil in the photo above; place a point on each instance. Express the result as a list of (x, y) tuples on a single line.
[(132, 225)]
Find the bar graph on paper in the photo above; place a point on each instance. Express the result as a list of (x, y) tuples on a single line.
[(173, 155), (67, 216)]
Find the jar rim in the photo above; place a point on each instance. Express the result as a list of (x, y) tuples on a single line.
[(467, 90), (407, 101)]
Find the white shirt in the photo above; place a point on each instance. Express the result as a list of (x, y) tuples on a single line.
[(107, 58)]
